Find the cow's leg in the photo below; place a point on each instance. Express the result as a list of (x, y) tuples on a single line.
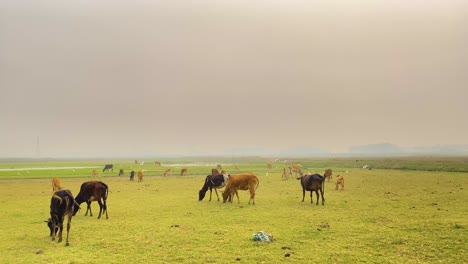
[(252, 195), (311, 200), (60, 233), (216, 194), (52, 235), (88, 208), (323, 199), (237, 194), (317, 194), (100, 208), (68, 228), (303, 194), (105, 208)]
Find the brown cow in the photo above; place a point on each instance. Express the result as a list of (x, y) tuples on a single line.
[(339, 181), (168, 172), (219, 167), (236, 167), (268, 166), (296, 168), (56, 184), (183, 172), (328, 175), (61, 204), (140, 176), (313, 183), (214, 172), (236, 182), (93, 191), (121, 172), (157, 163), (286, 173), (95, 173)]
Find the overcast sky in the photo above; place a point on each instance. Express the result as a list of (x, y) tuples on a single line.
[(93, 78)]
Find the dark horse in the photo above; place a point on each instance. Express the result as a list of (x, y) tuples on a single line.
[(108, 167)]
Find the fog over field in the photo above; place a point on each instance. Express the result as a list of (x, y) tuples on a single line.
[(123, 78)]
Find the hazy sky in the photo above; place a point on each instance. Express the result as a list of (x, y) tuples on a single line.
[(93, 78)]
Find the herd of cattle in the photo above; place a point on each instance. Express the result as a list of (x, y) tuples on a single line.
[(63, 204)]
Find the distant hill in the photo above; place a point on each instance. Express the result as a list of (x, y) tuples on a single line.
[(386, 149), (376, 149)]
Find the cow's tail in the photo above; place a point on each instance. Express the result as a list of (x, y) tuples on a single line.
[(258, 183), (323, 186)]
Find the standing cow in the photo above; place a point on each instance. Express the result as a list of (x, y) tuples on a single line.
[(61, 204), (212, 182), (108, 167), (241, 182), (93, 191), (313, 183)]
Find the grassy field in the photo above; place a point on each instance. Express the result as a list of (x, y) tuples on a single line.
[(408, 215)]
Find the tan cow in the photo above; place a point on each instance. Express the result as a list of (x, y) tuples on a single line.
[(244, 181), (218, 167), (328, 175), (140, 176), (56, 184), (183, 172), (168, 172), (95, 173), (268, 166), (157, 163), (286, 173), (339, 181), (236, 167), (296, 168)]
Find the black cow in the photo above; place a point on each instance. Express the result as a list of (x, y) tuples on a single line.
[(212, 182), (61, 204), (93, 191), (121, 172), (132, 175), (108, 167), (313, 183)]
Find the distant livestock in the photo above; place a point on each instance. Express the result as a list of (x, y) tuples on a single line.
[(328, 175), (61, 204), (296, 168), (93, 191), (286, 173), (215, 172), (132, 175), (168, 172), (95, 173), (121, 172), (140, 176), (183, 172), (108, 167), (157, 163), (219, 167), (56, 184), (212, 182), (241, 182), (340, 181), (313, 183)]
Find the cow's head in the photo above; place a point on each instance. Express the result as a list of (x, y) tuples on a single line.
[(53, 227), (201, 195), (227, 196)]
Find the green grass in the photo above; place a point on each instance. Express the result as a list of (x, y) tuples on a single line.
[(382, 216)]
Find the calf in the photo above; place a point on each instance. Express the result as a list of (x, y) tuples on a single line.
[(56, 184), (61, 204), (340, 181), (241, 182), (212, 182), (140, 176), (313, 183), (328, 175), (93, 191)]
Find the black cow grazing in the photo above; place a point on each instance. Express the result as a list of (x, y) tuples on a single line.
[(212, 182), (132, 175), (93, 191), (121, 173), (108, 167), (313, 183), (61, 204)]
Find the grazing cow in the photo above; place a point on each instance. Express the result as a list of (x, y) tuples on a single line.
[(140, 176), (93, 191), (241, 182), (132, 175), (339, 181), (121, 172), (56, 184), (236, 167), (313, 183), (212, 182), (157, 163), (95, 173), (168, 172), (183, 172), (328, 175), (296, 168), (219, 167), (61, 204), (268, 166), (108, 167)]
